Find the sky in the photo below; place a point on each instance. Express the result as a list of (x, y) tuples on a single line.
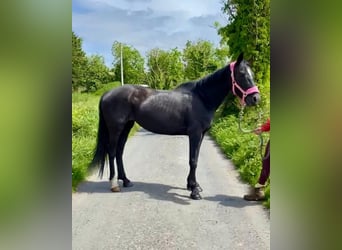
[(144, 24)]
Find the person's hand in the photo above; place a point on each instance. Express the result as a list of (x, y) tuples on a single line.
[(257, 131)]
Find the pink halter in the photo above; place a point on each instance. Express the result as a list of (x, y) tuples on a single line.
[(251, 90)]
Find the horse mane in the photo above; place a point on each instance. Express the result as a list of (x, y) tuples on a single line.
[(212, 88), (187, 86)]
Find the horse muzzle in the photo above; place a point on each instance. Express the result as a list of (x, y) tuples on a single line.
[(252, 99)]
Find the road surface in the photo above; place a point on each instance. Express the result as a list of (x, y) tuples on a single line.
[(157, 213)]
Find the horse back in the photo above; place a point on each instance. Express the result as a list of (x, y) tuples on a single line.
[(160, 111)]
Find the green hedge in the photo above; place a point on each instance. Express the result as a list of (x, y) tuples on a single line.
[(242, 148), (84, 132)]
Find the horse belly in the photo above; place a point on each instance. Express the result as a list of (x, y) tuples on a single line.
[(167, 117), (161, 123)]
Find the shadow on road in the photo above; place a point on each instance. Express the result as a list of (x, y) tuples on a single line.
[(93, 187), (163, 192), (154, 190), (159, 192), (231, 201)]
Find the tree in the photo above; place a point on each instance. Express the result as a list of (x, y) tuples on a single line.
[(201, 58), (175, 69), (248, 31), (97, 73), (79, 63), (133, 63), (165, 68)]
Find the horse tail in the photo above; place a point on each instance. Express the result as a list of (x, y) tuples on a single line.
[(100, 152)]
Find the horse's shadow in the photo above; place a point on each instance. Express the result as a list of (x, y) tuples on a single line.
[(154, 190), (164, 192), (231, 201)]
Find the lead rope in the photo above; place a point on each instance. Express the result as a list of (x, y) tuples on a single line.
[(260, 114)]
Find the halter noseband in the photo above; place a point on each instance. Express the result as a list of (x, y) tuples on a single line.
[(250, 90)]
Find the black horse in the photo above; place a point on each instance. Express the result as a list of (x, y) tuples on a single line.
[(186, 110)]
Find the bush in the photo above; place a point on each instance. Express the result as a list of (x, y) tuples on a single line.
[(83, 120), (82, 152), (106, 87), (84, 132), (242, 148)]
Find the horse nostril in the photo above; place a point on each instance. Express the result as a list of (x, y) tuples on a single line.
[(256, 99)]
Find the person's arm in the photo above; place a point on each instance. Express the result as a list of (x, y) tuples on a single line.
[(266, 126), (263, 128)]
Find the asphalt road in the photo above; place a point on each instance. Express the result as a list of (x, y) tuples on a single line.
[(157, 213)]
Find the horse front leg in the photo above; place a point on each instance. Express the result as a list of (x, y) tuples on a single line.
[(195, 144)]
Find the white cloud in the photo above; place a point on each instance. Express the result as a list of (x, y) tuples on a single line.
[(144, 24)]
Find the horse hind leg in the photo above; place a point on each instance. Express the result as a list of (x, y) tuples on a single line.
[(119, 151), (113, 143)]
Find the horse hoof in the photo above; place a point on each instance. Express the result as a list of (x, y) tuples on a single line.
[(195, 196), (128, 184), (197, 186), (115, 189)]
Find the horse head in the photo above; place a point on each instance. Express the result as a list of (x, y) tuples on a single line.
[(243, 84)]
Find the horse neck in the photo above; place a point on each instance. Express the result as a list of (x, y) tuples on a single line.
[(214, 88)]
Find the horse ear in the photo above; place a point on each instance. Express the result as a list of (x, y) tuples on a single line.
[(240, 58)]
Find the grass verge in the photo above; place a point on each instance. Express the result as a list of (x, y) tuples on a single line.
[(242, 148)]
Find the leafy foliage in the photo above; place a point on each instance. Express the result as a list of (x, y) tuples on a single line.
[(97, 73), (79, 62), (84, 129), (248, 31), (107, 87), (165, 68), (201, 58), (244, 149), (133, 63), (88, 73)]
